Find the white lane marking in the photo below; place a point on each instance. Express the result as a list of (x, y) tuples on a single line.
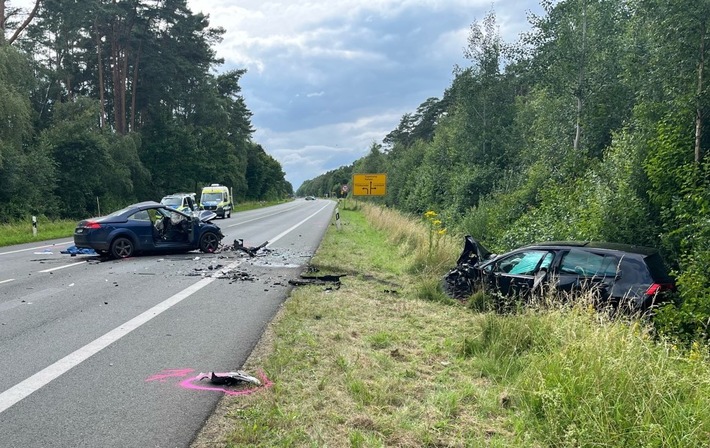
[(285, 232), (7, 281), (35, 248), (65, 266), (27, 387)]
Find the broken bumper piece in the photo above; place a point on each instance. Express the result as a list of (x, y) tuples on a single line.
[(229, 378)]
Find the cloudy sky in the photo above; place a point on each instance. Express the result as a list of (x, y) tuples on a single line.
[(327, 78)]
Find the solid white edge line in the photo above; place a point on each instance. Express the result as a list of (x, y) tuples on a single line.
[(65, 266), (27, 387), (7, 281), (285, 232)]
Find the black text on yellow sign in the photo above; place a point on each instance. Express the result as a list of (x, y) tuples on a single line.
[(369, 184)]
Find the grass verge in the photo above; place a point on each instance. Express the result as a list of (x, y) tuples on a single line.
[(21, 231), (387, 360)]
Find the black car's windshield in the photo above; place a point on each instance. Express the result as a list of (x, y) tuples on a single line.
[(526, 262)]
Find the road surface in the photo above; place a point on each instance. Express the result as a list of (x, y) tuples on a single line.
[(103, 353)]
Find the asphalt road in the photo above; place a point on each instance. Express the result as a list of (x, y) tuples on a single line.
[(103, 353)]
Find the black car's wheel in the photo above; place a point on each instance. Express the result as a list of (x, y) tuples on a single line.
[(122, 247), (209, 243)]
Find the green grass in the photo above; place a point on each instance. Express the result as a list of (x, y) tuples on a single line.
[(387, 361), (21, 231)]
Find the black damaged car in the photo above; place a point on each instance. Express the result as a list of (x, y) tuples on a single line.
[(621, 275), (148, 227)]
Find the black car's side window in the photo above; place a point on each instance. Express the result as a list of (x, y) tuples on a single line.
[(589, 264)]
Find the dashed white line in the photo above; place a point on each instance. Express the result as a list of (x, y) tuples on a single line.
[(7, 281), (285, 232), (63, 267)]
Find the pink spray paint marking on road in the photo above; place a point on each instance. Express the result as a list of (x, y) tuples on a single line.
[(169, 373), (190, 384)]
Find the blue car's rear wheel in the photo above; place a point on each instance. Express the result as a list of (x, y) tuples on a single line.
[(122, 247), (209, 242)]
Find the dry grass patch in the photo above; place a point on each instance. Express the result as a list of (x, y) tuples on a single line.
[(366, 365)]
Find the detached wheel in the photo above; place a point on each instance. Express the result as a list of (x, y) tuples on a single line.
[(122, 247), (209, 242)]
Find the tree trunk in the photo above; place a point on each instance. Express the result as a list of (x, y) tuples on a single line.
[(134, 88), (118, 80), (120, 51), (27, 21), (115, 81), (699, 92), (100, 67), (124, 82), (580, 81), (2, 22)]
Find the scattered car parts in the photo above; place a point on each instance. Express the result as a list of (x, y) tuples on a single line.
[(251, 251), (229, 378)]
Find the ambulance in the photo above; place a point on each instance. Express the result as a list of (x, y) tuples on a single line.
[(218, 198)]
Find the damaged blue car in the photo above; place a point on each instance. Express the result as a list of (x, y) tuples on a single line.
[(148, 227)]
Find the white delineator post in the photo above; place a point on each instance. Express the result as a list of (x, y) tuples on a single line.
[(34, 226)]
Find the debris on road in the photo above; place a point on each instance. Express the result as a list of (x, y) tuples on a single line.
[(229, 378), (74, 251), (44, 252), (251, 251)]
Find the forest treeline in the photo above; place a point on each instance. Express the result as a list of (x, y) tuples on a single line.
[(594, 125), (112, 102)]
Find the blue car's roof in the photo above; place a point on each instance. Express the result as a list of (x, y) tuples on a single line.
[(146, 204)]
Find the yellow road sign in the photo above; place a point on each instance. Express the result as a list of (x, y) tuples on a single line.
[(369, 184)]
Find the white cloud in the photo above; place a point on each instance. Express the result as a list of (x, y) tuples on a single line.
[(326, 78), (307, 153)]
